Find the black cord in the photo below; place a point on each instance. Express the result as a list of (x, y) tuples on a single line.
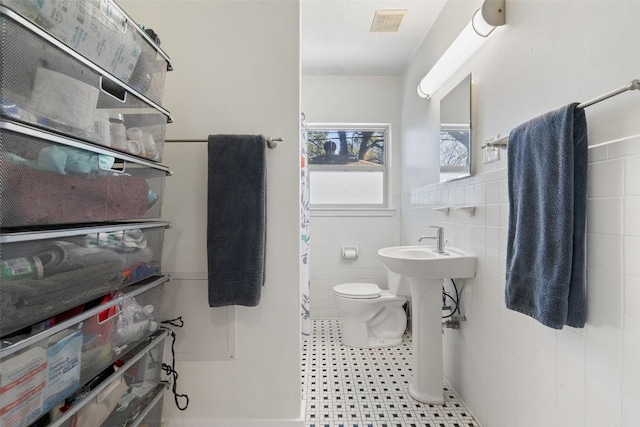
[(454, 301), (171, 369), (177, 322), (457, 296)]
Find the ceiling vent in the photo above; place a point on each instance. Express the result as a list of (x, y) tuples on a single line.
[(387, 21)]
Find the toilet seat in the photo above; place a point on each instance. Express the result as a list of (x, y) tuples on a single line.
[(357, 290)]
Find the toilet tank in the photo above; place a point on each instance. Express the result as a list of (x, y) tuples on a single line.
[(398, 285)]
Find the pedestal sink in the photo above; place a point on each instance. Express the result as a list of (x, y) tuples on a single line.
[(425, 270)]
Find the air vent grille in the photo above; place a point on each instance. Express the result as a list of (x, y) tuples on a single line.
[(387, 21)]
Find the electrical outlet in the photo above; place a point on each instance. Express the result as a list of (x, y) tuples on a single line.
[(491, 154)]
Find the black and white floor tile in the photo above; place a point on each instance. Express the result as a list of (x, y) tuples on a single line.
[(353, 387)]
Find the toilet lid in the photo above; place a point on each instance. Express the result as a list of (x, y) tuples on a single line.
[(357, 290)]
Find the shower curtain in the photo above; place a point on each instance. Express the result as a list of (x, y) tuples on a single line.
[(305, 321)]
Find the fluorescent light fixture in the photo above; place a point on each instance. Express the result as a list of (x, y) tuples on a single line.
[(474, 35)]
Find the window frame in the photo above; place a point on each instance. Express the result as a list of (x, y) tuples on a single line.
[(358, 127)]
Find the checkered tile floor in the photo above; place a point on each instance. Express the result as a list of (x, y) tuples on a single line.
[(352, 387)]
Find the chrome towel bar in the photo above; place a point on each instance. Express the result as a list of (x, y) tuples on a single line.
[(632, 85), (271, 142)]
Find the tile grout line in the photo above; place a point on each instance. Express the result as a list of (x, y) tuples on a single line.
[(349, 387)]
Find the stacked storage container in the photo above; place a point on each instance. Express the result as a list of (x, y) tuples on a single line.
[(82, 133)]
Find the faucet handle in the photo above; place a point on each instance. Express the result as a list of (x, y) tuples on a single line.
[(437, 227)]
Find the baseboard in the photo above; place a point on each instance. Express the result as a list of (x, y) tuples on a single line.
[(297, 422)]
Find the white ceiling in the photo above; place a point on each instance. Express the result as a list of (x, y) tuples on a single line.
[(336, 38)]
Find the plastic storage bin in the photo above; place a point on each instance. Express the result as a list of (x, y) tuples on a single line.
[(40, 371), (104, 34), (151, 413), (123, 400), (144, 396), (49, 179), (134, 320), (39, 74), (45, 273)]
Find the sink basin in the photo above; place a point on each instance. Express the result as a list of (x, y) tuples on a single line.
[(425, 270), (423, 262)]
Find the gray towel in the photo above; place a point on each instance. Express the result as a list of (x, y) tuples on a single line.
[(24, 302), (236, 219), (547, 167), (60, 256)]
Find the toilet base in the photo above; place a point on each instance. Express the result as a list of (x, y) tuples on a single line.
[(359, 335), (370, 322), (375, 343)]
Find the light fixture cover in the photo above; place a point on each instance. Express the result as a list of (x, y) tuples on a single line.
[(462, 48), (480, 26), (474, 35)]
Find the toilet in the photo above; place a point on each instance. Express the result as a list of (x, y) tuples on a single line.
[(373, 317)]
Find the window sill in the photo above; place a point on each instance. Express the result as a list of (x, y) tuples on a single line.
[(327, 212)]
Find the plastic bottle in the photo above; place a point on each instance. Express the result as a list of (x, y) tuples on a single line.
[(101, 129), (150, 147), (21, 268), (134, 142), (118, 132), (10, 109)]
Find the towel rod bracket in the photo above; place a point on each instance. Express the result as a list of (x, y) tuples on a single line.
[(273, 142)]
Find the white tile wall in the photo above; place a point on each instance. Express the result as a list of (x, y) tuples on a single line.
[(569, 378), (328, 268)]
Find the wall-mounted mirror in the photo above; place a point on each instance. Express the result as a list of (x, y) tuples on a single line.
[(455, 132)]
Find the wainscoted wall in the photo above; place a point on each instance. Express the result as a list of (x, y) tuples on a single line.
[(328, 268), (352, 99), (512, 371)]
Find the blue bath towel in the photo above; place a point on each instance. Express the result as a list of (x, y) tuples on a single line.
[(236, 219), (547, 169)]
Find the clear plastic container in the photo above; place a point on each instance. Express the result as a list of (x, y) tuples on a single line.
[(75, 358), (73, 266), (48, 179), (102, 32), (46, 84)]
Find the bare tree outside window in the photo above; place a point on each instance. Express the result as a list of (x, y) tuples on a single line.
[(347, 165), (346, 147), (454, 148)]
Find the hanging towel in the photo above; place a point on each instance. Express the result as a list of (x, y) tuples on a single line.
[(236, 219), (547, 170)]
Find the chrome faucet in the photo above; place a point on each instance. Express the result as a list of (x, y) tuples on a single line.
[(439, 238)]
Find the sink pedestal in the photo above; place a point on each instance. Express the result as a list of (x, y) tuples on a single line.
[(425, 270), (426, 332)]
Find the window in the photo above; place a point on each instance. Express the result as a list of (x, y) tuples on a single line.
[(348, 165)]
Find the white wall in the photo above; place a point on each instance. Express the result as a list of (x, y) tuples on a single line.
[(510, 370), (233, 74), (356, 99), (351, 99)]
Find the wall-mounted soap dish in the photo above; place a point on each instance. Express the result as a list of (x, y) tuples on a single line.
[(442, 209), (469, 210)]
